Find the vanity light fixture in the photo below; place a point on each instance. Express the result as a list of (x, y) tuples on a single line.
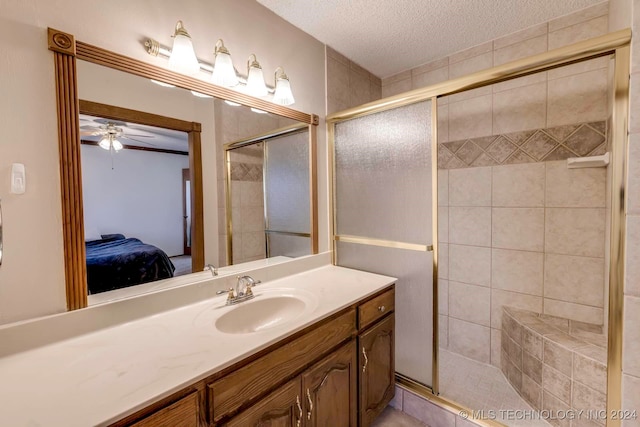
[(224, 74), (255, 78), (183, 58), (283, 94)]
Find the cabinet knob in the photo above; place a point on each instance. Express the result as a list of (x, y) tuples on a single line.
[(381, 308)]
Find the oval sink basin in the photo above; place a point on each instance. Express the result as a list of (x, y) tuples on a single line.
[(262, 313)]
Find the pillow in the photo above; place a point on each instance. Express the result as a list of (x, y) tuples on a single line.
[(91, 233), (112, 237)]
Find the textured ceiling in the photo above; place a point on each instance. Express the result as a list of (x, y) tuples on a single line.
[(390, 36)]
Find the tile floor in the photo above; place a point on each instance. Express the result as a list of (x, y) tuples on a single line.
[(480, 386), (391, 417)]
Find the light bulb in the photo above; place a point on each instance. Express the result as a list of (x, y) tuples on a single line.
[(255, 78), (223, 72), (283, 94), (105, 143), (183, 57)]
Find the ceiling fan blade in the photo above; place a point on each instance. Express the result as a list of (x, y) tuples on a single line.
[(137, 140), (90, 133), (137, 135)]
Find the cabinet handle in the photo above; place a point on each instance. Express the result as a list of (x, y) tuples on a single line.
[(310, 405), (299, 410), (366, 360), (381, 308)]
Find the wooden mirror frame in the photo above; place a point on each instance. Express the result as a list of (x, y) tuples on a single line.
[(66, 51)]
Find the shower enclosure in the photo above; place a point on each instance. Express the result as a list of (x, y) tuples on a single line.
[(509, 263), (268, 194)]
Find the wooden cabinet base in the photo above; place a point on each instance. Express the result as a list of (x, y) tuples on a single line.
[(338, 372)]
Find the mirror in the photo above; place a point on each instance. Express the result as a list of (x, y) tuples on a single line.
[(268, 191), (153, 166)]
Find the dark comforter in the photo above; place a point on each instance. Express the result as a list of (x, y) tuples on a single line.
[(117, 262)]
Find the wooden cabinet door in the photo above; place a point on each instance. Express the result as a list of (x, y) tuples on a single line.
[(281, 408), (329, 390), (377, 369)]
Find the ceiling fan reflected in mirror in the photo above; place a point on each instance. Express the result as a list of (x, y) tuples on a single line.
[(111, 132)]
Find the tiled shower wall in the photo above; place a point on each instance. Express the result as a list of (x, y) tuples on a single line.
[(348, 84), (524, 235), (530, 236)]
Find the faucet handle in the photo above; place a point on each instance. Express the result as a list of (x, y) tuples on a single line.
[(231, 295)]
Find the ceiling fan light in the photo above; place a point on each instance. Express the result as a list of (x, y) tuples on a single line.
[(255, 78), (283, 94), (183, 58), (105, 143), (200, 94), (224, 74), (117, 145), (233, 104), (256, 110), (163, 84)]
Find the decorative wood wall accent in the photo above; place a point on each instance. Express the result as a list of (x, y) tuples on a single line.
[(193, 129), (63, 47), (116, 61)]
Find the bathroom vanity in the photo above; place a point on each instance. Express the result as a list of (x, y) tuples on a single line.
[(311, 349), (332, 373)]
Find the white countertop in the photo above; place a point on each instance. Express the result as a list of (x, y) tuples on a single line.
[(98, 378)]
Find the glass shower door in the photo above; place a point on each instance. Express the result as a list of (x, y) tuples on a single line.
[(383, 218)]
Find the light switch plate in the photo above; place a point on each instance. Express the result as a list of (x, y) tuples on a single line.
[(18, 179)]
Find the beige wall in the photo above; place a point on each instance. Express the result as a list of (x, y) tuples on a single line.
[(348, 84), (32, 275)]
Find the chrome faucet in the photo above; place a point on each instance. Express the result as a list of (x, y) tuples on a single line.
[(242, 291), (212, 269)]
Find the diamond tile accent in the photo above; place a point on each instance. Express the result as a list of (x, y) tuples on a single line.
[(444, 155), (246, 171), (483, 160), (536, 145), (599, 126), (539, 145), (584, 140), (519, 137), (560, 153), (519, 157), (454, 146), (501, 149), (469, 152), (560, 133), (484, 141)]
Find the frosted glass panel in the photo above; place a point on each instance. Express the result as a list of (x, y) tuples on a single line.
[(292, 246), (287, 183), (414, 301), (383, 175)]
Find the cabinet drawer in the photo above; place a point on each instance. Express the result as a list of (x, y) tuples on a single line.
[(183, 413), (376, 308), (229, 393)]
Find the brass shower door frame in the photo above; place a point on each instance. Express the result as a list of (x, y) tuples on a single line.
[(313, 177), (615, 44)]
